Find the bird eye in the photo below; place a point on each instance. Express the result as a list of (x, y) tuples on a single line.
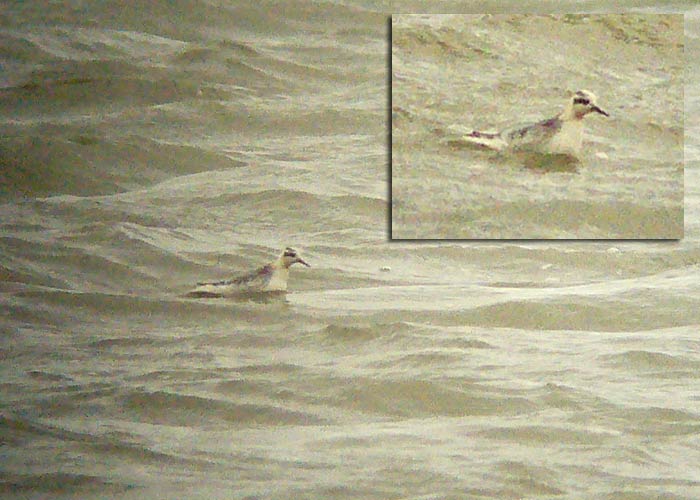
[(582, 100)]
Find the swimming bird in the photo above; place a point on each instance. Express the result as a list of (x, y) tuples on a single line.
[(271, 277), (562, 134)]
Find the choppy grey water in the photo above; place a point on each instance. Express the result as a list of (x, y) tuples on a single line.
[(147, 148)]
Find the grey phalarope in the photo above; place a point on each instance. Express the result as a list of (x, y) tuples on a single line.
[(562, 134), (271, 277)]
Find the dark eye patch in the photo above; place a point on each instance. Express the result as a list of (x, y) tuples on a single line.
[(581, 100)]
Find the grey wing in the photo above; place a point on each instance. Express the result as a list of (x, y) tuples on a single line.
[(483, 135), (261, 274), (525, 135), (551, 124), (242, 280)]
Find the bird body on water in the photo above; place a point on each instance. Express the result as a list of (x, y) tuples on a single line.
[(271, 277), (562, 134)]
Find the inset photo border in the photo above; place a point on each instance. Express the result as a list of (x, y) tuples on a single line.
[(537, 127)]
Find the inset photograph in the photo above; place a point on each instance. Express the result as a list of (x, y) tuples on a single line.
[(537, 127)]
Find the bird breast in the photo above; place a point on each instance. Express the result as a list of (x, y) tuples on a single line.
[(569, 137), (278, 280)]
